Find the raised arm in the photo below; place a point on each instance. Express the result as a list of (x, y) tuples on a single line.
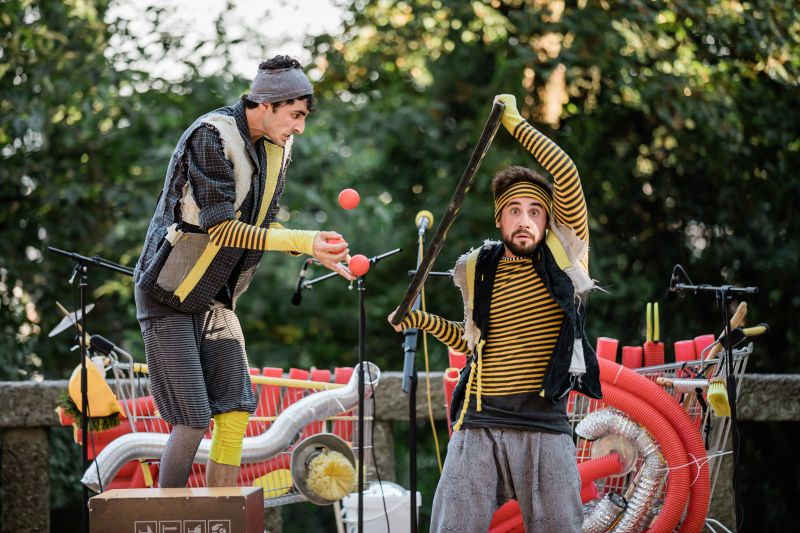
[(569, 204)]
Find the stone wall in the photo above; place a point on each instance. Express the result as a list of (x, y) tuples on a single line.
[(28, 412)]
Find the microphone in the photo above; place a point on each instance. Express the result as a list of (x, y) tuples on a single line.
[(672, 291), (297, 297), (101, 344), (423, 221)]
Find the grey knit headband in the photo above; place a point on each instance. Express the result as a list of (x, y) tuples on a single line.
[(270, 86)]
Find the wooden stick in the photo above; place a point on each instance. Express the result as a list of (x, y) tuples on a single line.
[(489, 130)]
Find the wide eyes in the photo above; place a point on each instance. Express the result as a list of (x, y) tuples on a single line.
[(516, 211)]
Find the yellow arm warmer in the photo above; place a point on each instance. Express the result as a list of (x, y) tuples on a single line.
[(236, 234)]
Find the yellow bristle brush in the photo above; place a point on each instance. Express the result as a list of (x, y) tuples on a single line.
[(330, 475), (717, 396)]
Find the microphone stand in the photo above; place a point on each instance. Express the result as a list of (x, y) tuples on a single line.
[(82, 271), (723, 295), (362, 349), (410, 338)]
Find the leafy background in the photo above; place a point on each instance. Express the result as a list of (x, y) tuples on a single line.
[(677, 113)]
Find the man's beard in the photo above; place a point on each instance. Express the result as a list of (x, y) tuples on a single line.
[(520, 250)]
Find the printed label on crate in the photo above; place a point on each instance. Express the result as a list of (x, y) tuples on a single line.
[(183, 526)]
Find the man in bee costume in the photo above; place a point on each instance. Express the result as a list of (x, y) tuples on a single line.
[(524, 303), (214, 220)]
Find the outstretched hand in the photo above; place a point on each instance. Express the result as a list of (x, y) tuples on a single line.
[(330, 255)]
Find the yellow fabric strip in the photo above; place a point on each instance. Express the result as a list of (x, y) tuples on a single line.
[(148, 475), (464, 407), (226, 440), (472, 261), (480, 374), (274, 162), (557, 249)]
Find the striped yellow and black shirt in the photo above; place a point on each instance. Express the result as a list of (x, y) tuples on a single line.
[(524, 324)]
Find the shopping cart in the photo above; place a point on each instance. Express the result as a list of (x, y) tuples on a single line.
[(713, 430), (275, 393)]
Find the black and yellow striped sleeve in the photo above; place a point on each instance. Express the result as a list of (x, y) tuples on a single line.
[(449, 333), (237, 234), (569, 204)]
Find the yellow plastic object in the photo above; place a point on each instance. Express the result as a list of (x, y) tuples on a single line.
[(331, 475), (276, 483), (102, 401), (718, 397)]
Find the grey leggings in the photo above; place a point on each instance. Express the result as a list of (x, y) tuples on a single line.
[(487, 467)]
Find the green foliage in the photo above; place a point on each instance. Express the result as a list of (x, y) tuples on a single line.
[(677, 114)]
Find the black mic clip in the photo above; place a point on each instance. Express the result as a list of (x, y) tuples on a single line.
[(297, 296)]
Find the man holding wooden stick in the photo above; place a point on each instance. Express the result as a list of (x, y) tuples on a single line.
[(524, 303)]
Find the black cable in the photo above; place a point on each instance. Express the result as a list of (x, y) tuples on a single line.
[(374, 459)]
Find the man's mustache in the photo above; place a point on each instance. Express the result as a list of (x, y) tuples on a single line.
[(523, 232)]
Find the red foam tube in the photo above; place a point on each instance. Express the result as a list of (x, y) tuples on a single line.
[(701, 342), (457, 359), (606, 348), (450, 380), (694, 522), (632, 356)]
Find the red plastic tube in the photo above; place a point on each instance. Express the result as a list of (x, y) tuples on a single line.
[(595, 469), (671, 447), (589, 492), (507, 519), (653, 353), (612, 373)]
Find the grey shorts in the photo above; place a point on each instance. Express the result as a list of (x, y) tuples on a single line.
[(198, 366), (485, 468)]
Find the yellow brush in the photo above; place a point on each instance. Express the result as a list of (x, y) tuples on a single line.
[(330, 475), (718, 397)]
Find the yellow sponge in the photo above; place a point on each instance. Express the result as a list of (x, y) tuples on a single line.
[(718, 397), (331, 475)]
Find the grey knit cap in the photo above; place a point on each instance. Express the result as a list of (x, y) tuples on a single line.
[(270, 86)]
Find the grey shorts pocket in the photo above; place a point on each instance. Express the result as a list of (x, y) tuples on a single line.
[(182, 258)]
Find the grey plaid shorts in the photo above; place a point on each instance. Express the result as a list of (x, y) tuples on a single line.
[(198, 366), (485, 468)]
